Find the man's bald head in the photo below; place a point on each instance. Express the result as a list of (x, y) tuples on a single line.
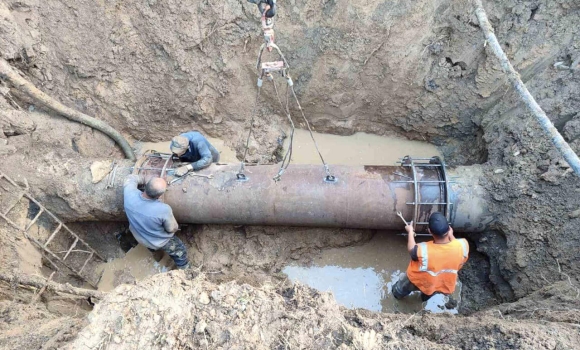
[(155, 187)]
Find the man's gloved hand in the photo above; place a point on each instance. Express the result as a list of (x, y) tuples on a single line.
[(182, 170)]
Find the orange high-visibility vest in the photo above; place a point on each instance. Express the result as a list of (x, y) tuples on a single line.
[(437, 267)]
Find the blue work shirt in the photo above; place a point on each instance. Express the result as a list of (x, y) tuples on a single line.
[(151, 222), (200, 152)]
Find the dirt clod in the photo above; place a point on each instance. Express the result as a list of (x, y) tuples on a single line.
[(204, 298), (266, 318)]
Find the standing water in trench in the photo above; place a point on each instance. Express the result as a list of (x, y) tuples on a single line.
[(357, 149), (359, 276), (362, 276)]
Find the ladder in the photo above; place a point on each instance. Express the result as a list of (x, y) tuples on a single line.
[(82, 246)]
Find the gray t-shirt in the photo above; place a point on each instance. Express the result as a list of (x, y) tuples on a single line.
[(151, 221)]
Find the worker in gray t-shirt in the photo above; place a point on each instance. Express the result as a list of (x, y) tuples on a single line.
[(152, 222)]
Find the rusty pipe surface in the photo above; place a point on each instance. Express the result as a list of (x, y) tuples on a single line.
[(365, 197)]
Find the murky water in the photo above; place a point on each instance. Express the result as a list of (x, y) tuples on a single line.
[(359, 277), (362, 276), (136, 265), (356, 149)]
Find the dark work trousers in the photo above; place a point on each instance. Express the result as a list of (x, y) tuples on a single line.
[(404, 287), (192, 157), (174, 248), (177, 251)]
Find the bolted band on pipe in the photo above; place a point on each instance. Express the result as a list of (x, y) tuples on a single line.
[(365, 197)]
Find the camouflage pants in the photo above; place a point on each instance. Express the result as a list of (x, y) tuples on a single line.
[(174, 248), (177, 251)]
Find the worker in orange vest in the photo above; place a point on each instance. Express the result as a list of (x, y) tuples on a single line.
[(434, 265)]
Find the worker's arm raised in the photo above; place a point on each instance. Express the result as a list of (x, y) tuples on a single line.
[(132, 181), (450, 234), (410, 237)]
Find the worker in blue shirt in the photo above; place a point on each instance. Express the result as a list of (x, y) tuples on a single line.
[(192, 147)]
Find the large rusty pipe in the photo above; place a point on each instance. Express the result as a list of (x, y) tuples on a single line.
[(363, 197)]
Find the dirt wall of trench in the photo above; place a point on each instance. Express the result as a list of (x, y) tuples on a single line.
[(417, 69), (156, 68)]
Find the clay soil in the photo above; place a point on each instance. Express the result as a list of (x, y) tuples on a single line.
[(415, 69)]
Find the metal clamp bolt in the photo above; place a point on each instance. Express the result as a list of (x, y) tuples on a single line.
[(330, 179)]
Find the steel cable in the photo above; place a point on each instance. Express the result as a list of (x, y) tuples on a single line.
[(288, 156), (326, 169), (242, 165)]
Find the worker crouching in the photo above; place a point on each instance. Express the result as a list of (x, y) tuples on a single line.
[(192, 147), (434, 265)]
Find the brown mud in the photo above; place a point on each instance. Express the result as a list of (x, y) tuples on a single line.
[(414, 69), (189, 312), (387, 250)]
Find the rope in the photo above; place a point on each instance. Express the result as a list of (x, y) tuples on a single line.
[(326, 169), (288, 156), (240, 174)]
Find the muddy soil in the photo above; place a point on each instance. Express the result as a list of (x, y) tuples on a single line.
[(153, 69), (189, 312), (415, 69)]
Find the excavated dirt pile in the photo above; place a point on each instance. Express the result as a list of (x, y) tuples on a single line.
[(417, 69), (191, 313)]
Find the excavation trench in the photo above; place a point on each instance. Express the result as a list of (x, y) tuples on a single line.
[(420, 69), (359, 270)]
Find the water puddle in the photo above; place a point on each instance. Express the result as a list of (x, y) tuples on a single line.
[(136, 265), (357, 149), (362, 276)]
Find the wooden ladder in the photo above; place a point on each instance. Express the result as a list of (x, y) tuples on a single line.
[(83, 246)]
